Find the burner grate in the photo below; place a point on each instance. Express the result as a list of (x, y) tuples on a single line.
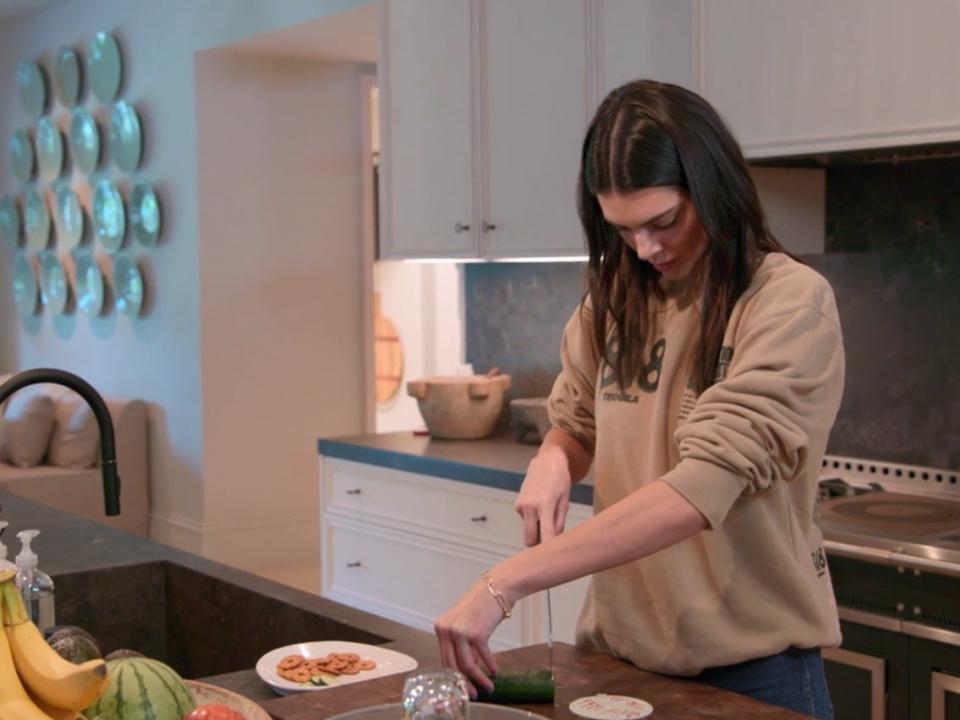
[(917, 477)]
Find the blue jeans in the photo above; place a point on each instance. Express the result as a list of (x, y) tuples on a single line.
[(792, 679)]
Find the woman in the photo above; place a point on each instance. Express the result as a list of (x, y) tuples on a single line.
[(701, 376)]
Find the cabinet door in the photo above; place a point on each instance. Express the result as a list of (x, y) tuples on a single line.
[(868, 676), (651, 39), (426, 162), (534, 73), (819, 76), (935, 675)]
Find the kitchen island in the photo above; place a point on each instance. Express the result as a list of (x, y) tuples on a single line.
[(211, 616)]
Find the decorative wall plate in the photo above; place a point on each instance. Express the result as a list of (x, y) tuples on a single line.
[(33, 87), (128, 285), (36, 222), (54, 288), (49, 149), (104, 67), (84, 141), (21, 155), (109, 220), (69, 218), (66, 76), (89, 282), (10, 225), (145, 214), (24, 286), (125, 140)]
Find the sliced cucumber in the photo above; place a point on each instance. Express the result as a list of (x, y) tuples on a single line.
[(520, 685)]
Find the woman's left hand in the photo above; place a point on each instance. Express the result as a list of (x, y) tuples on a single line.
[(463, 632)]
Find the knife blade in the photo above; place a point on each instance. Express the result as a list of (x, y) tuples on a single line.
[(550, 633)]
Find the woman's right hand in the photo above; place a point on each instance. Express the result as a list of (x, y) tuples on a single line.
[(545, 495)]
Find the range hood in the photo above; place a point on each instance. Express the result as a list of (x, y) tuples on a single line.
[(870, 156)]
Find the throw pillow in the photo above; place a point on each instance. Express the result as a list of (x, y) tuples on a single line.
[(28, 422), (75, 437)]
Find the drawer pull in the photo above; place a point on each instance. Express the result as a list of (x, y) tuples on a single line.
[(479, 518), (355, 491), (355, 564)]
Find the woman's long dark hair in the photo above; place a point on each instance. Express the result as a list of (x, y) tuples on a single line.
[(646, 134)]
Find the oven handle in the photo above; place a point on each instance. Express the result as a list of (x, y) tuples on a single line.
[(888, 557), (947, 637), (907, 627), (857, 552)]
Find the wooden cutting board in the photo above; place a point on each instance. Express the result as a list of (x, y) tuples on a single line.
[(387, 354)]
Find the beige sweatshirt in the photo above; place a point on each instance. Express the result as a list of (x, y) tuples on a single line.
[(746, 453)]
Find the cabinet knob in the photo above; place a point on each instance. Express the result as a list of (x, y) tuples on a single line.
[(479, 518), (353, 564), (917, 610), (461, 228), (488, 227), (900, 607), (355, 491)]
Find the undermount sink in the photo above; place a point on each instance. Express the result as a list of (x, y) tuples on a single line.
[(198, 624)]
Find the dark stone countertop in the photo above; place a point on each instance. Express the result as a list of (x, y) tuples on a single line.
[(498, 461), (578, 673), (68, 545)]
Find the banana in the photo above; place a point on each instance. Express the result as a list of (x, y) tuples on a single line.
[(54, 712), (55, 681), (15, 704)]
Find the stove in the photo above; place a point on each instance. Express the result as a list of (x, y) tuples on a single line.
[(883, 507)]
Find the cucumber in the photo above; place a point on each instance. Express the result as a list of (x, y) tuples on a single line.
[(520, 685)]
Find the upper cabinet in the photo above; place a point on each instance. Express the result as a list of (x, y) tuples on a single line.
[(808, 77), (484, 104)]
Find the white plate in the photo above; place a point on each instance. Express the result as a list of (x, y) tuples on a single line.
[(205, 694), (389, 662)]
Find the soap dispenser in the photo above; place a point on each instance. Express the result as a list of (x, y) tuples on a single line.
[(36, 587), (4, 563)]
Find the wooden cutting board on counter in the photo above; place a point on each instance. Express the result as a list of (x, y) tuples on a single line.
[(387, 354), (579, 673)]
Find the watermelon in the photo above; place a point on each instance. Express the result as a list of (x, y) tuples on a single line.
[(142, 689)]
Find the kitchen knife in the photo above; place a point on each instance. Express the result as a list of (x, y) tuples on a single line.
[(550, 633)]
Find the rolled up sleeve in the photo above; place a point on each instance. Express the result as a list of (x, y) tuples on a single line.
[(572, 400), (753, 429)]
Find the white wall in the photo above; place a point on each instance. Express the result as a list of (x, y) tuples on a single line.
[(157, 358), (280, 257), (425, 303), (795, 202)]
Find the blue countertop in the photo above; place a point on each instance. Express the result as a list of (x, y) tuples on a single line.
[(497, 462)]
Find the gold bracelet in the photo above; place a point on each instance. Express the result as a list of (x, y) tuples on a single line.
[(497, 595)]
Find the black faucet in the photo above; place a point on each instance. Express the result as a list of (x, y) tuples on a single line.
[(108, 453)]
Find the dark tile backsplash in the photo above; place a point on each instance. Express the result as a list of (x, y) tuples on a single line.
[(893, 241)]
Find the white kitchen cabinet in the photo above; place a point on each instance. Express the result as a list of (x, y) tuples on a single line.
[(426, 146), (405, 546), (830, 75), (483, 107), (644, 39)]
